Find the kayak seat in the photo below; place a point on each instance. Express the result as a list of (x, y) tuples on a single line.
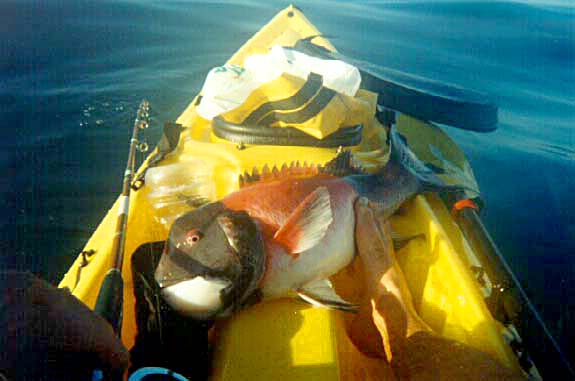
[(283, 136), (164, 338)]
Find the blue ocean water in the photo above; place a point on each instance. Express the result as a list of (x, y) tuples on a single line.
[(72, 74)]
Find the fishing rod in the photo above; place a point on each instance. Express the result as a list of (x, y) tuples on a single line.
[(509, 302), (110, 300)]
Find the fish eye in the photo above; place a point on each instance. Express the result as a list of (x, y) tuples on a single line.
[(193, 236)]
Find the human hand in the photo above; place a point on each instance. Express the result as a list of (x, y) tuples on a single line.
[(375, 251), (383, 275), (410, 345), (391, 302), (46, 333)]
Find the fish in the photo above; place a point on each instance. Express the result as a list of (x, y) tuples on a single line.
[(282, 234)]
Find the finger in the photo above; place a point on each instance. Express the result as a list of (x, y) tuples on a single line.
[(101, 338), (365, 208), (369, 234), (109, 348), (365, 228), (373, 248)]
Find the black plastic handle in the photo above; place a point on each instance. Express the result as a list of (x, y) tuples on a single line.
[(110, 299), (109, 305)]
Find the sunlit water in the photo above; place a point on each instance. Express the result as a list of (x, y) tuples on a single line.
[(73, 72)]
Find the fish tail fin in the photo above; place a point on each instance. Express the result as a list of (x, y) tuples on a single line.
[(403, 177), (406, 163), (437, 185), (426, 175)]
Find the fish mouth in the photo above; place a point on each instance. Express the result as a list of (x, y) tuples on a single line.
[(176, 266), (199, 297), (168, 282)]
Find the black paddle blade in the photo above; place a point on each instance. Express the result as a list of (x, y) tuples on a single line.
[(422, 98)]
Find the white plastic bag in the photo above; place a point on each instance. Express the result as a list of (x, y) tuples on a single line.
[(226, 87)]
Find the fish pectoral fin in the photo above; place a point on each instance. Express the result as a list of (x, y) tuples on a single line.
[(307, 224), (320, 293)]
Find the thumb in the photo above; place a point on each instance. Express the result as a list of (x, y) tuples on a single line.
[(373, 246), (76, 329)]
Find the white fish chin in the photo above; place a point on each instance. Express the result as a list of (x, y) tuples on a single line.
[(198, 297)]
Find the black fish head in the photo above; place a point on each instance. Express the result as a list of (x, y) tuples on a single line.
[(212, 262)]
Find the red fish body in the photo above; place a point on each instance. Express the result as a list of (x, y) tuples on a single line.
[(272, 204)]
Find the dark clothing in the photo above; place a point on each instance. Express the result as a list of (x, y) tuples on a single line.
[(165, 338)]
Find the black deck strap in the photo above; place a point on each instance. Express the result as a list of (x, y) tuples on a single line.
[(422, 98), (168, 142), (320, 101), (283, 136), (293, 103)]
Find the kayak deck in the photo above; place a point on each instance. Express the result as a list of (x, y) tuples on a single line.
[(286, 338)]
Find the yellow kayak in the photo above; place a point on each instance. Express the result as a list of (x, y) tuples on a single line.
[(286, 339)]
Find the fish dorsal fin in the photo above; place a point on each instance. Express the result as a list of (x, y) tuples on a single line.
[(320, 293), (294, 170), (342, 165), (307, 224)]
